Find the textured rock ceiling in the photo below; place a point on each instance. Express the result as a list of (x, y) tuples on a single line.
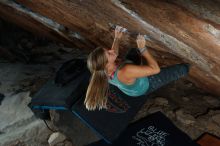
[(176, 30)]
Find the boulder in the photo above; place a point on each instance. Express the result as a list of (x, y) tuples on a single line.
[(184, 118), (161, 101), (176, 31), (216, 119), (56, 138)]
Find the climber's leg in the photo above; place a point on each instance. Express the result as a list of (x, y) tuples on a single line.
[(167, 75)]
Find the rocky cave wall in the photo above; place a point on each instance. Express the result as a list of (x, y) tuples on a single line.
[(176, 31)]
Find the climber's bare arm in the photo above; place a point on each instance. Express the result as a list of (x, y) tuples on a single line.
[(115, 45), (117, 38), (131, 71)]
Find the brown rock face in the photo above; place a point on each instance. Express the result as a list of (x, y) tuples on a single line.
[(177, 31)]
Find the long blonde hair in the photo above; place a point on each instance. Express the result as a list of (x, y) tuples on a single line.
[(96, 95)]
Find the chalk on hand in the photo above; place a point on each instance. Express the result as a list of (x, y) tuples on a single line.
[(124, 30)]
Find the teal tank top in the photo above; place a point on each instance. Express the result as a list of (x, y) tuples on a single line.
[(139, 87)]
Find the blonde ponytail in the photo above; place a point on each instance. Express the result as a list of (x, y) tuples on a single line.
[(96, 95)]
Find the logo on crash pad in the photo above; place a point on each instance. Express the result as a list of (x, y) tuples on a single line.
[(116, 104), (150, 137)]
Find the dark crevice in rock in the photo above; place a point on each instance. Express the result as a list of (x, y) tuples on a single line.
[(207, 112), (2, 96), (1, 132)]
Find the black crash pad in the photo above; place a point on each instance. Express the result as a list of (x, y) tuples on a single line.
[(110, 123), (54, 96), (153, 130)]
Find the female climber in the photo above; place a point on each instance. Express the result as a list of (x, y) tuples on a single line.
[(133, 80)]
